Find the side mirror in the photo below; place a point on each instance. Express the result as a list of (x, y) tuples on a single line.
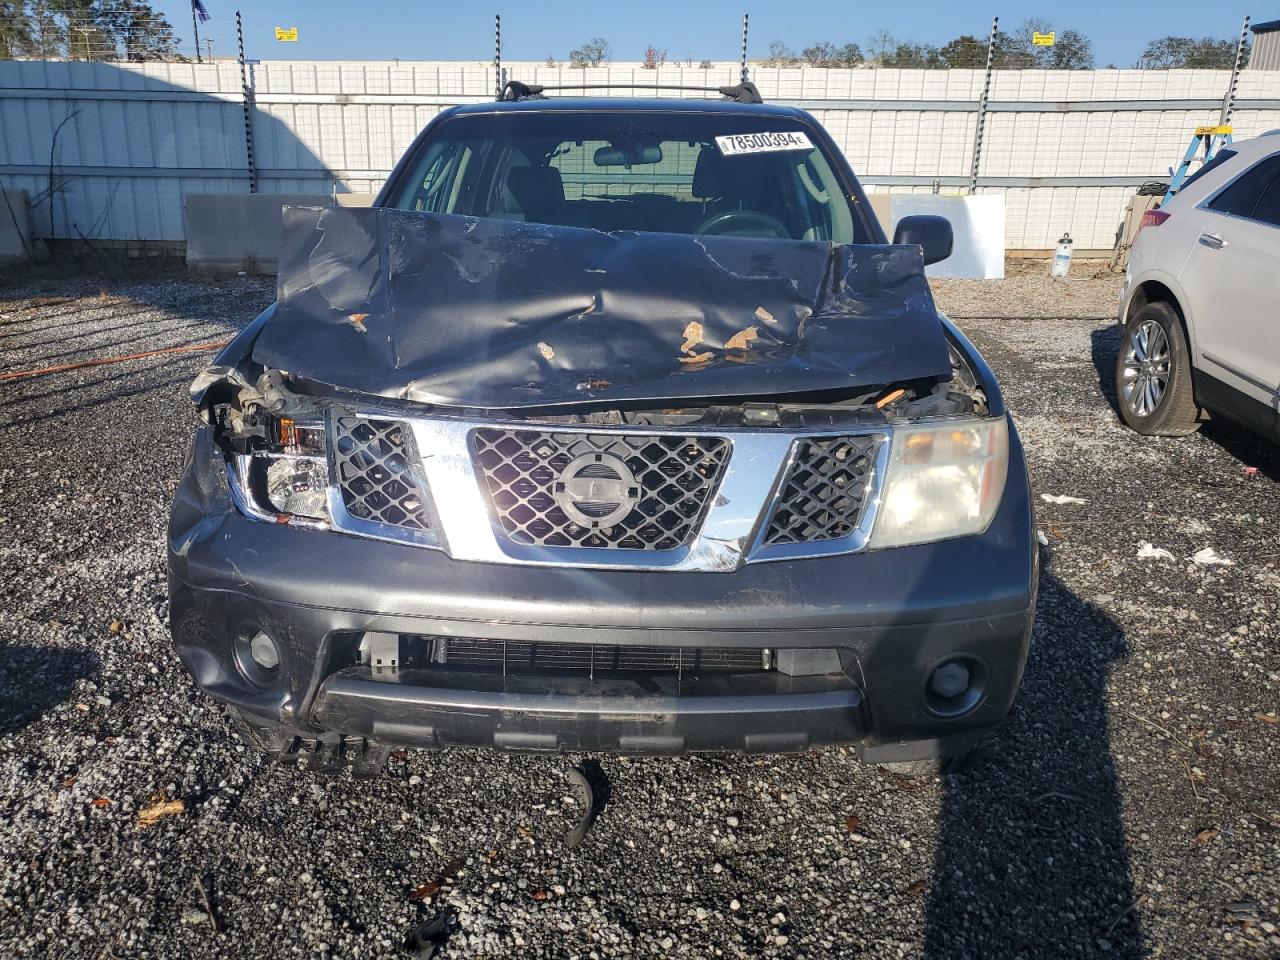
[(930, 232)]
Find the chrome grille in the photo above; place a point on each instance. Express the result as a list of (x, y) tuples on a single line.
[(375, 468), (824, 490), (668, 481), (510, 656)]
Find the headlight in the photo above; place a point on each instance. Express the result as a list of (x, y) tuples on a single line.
[(944, 480), (297, 485), (288, 482)]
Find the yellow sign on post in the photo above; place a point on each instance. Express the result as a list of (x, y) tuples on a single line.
[(1043, 39), (287, 34)]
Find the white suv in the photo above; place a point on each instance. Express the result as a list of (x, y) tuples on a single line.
[(1201, 300)]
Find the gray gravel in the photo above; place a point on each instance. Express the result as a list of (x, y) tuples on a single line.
[(1129, 806)]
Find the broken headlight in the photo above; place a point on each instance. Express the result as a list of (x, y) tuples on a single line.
[(288, 480), (944, 480)]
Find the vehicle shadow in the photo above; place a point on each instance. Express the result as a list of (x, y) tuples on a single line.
[(1104, 344), (1241, 443), (1032, 857), (35, 678)]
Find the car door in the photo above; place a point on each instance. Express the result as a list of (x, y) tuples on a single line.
[(1232, 282)]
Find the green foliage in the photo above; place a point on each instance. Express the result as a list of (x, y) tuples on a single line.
[(1168, 53), (85, 30), (596, 52)]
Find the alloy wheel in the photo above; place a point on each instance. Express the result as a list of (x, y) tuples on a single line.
[(1147, 364)]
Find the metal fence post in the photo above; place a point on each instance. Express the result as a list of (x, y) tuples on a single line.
[(497, 56), (982, 108), (1229, 101), (247, 95), (745, 18)]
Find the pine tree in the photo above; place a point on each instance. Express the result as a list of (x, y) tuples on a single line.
[(15, 30)]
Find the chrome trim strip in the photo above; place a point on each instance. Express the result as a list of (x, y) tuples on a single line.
[(1247, 378), (730, 537), (856, 540)]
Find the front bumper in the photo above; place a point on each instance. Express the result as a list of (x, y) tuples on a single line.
[(891, 615)]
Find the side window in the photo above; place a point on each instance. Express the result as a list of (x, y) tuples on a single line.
[(1268, 208), (436, 178), (1242, 196)]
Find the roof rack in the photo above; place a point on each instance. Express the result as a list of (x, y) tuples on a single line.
[(514, 90)]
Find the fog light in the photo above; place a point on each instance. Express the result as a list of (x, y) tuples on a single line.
[(263, 650), (949, 680), (956, 686), (257, 657)]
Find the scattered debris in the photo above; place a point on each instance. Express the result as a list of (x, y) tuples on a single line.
[(1264, 717), (916, 889), (539, 895), (1061, 498), (852, 823), (1250, 471), (115, 626), (586, 799), (1204, 836), (153, 813), (1208, 557), (201, 889), (425, 940), (428, 890), (1147, 552), (546, 351), (1041, 538), (101, 802), (889, 397)]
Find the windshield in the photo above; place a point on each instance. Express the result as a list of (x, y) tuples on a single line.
[(698, 173)]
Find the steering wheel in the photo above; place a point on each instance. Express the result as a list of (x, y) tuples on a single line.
[(742, 223)]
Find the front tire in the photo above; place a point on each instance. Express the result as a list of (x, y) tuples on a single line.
[(1153, 374)]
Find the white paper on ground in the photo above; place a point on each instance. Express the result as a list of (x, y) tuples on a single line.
[(1060, 498), (1147, 552), (1208, 557)]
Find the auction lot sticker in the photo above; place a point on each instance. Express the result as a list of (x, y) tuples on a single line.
[(737, 143)]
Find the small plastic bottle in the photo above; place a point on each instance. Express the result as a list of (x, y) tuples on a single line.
[(1061, 258)]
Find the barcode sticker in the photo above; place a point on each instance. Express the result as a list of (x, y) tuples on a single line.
[(737, 143)]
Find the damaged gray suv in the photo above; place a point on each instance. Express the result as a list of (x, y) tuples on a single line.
[(613, 425)]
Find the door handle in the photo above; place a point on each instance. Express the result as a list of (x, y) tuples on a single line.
[(1212, 241)]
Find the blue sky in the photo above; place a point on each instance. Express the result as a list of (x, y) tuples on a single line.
[(425, 30)]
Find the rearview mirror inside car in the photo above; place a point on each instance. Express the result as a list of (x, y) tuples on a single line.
[(931, 232), (628, 155)]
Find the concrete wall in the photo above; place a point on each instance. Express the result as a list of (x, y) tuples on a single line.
[(15, 227), (1066, 149)]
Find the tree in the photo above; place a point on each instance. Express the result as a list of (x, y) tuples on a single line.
[(965, 52), (826, 54), (16, 35), (654, 58), (1071, 49), (912, 56), (596, 52), (780, 55), (48, 31), (138, 31), (1169, 53)]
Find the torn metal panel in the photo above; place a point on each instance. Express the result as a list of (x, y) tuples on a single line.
[(488, 313)]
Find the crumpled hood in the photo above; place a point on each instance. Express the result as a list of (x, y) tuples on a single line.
[(485, 313)]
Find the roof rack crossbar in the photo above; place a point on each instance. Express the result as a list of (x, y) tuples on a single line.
[(514, 90)]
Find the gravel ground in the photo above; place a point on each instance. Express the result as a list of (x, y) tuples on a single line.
[(1128, 807)]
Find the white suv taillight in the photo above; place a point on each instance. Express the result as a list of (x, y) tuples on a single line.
[(1152, 218)]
